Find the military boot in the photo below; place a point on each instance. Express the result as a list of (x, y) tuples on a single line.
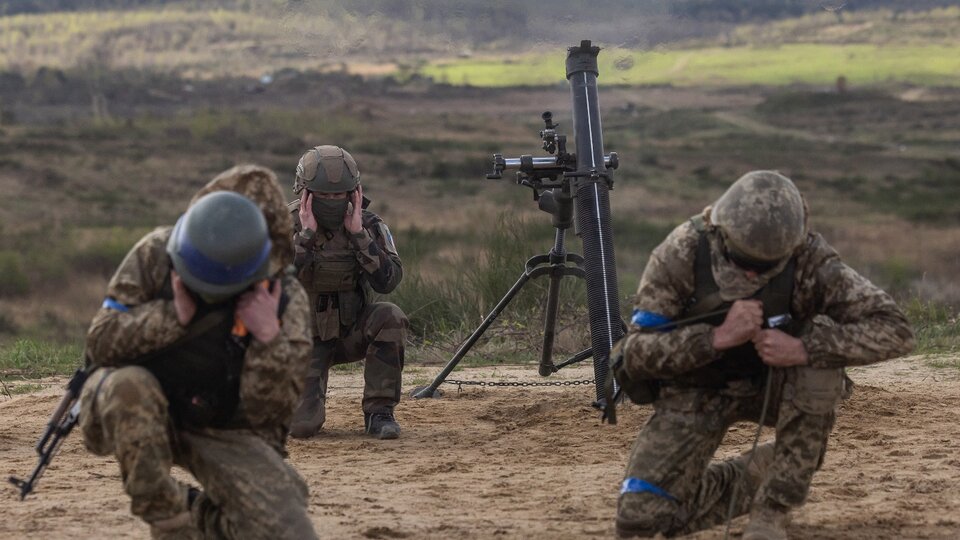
[(767, 524), (181, 526), (381, 425), (758, 465), (312, 411), (178, 527)]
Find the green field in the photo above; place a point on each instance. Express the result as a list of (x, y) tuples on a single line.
[(720, 66), (195, 42)]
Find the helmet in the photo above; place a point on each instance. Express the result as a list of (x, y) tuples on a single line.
[(260, 185), (761, 217), (220, 246), (327, 169)]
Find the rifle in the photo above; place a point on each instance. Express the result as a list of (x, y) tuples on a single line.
[(61, 423)]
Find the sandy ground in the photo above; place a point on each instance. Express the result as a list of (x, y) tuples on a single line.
[(531, 463)]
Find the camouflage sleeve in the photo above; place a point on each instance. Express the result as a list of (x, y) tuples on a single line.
[(273, 373), (134, 320), (303, 242), (303, 239), (377, 255), (863, 324), (666, 285)]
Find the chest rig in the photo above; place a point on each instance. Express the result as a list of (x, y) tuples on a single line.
[(332, 279), (200, 372), (741, 362)]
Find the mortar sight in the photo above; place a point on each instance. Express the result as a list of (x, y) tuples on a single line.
[(545, 172)]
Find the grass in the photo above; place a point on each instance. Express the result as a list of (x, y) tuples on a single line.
[(937, 330), (190, 40), (928, 197), (807, 63), (25, 388), (944, 362), (34, 359), (30, 261)]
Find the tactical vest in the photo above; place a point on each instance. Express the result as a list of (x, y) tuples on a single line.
[(200, 373), (334, 270), (741, 362), (332, 279)]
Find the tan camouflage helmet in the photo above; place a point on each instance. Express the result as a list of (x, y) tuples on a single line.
[(762, 217), (326, 169)]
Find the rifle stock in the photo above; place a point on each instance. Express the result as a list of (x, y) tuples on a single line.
[(61, 423)]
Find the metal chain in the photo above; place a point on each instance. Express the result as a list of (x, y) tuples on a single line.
[(460, 384)]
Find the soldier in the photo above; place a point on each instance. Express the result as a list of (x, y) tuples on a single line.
[(200, 348), (343, 251), (753, 254)]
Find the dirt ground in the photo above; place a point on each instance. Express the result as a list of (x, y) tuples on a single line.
[(531, 463)]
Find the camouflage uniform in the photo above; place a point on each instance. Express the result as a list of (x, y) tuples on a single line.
[(338, 269), (844, 321), (249, 490)]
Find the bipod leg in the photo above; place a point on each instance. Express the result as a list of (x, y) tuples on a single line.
[(431, 389), (550, 322), (579, 357)]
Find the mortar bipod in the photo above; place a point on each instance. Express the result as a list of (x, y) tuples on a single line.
[(556, 264)]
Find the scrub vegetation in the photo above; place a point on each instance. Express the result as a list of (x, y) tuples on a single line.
[(97, 149)]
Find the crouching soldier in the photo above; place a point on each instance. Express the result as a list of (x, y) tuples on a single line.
[(201, 347), (343, 251), (780, 316)]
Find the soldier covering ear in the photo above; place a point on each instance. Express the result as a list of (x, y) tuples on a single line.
[(344, 253)]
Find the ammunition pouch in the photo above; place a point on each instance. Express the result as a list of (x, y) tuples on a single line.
[(333, 271), (640, 391), (351, 304), (334, 311)]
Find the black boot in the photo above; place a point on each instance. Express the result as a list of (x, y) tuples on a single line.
[(381, 425)]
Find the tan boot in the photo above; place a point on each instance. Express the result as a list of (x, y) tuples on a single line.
[(178, 527), (312, 411), (767, 524)]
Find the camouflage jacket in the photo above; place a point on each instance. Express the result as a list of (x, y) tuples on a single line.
[(373, 264), (136, 319), (849, 320)]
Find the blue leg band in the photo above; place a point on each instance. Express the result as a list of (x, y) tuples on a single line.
[(636, 485), (110, 303)]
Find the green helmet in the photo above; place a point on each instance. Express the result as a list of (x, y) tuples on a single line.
[(327, 169), (220, 246), (761, 216)]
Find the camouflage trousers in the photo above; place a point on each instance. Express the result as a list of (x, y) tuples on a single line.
[(378, 339), (684, 492), (249, 491)]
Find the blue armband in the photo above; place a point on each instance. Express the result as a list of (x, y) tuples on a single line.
[(649, 319), (636, 485), (110, 303)]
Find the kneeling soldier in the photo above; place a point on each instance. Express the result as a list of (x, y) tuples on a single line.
[(343, 251), (201, 347), (752, 254)]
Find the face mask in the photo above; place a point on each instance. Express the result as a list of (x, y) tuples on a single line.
[(330, 212)]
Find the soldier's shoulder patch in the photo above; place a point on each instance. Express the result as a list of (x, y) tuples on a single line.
[(388, 242)]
